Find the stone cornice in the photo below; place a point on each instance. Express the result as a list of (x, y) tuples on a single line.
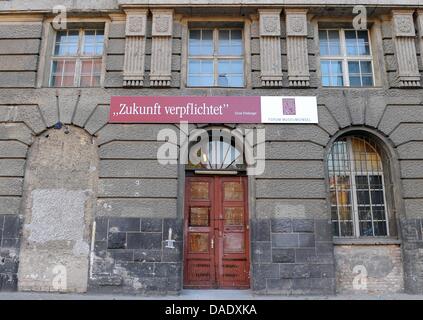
[(113, 5), (306, 3)]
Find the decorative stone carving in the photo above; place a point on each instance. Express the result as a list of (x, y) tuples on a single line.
[(297, 51), (270, 47), (133, 71), (296, 23), (405, 48), (420, 28), (403, 24), (161, 48), (420, 23), (270, 22), (135, 25), (162, 22)]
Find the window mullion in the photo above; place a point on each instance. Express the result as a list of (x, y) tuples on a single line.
[(78, 66), (215, 59), (385, 205), (344, 58), (354, 205)]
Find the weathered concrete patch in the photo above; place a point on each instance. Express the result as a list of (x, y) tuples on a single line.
[(59, 192), (57, 215), (365, 269)]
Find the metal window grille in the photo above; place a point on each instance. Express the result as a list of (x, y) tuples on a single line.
[(357, 188)]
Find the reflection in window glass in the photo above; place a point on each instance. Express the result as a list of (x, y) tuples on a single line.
[(200, 73), (93, 42), (332, 74), (77, 58), (357, 190), (215, 58), (345, 54), (201, 42), (63, 73), (360, 73), (231, 73), (66, 43), (330, 44), (230, 42)]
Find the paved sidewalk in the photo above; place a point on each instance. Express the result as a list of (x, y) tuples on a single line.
[(198, 295)]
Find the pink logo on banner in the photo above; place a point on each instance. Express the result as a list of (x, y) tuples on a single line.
[(288, 106)]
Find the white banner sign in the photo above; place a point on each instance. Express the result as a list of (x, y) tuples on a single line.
[(279, 109)]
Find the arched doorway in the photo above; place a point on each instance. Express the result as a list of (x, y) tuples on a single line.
[(216, 221)]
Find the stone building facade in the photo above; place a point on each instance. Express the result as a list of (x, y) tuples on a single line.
[(86, 206)]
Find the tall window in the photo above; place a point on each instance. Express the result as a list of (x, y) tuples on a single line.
[(215, 58), (357, 189), (346, 58), (77, 58)]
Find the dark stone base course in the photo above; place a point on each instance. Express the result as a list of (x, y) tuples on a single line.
[(131, 256), (412, 248), (292, 257), (9, 251)]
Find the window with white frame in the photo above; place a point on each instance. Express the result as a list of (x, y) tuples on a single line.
[(77, 58), (345, 58), (357, 188), (215, 58)]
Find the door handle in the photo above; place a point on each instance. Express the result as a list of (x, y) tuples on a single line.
[(212, 243)]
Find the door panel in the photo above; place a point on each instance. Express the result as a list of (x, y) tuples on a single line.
[(199, 233), (233, 230), (216, 233)]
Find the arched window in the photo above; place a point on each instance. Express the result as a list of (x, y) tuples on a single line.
[(218, 152), (357, 188)]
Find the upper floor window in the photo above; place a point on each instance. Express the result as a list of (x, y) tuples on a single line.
[(77, 58), (357, 188), (346, 58), (215, 58)]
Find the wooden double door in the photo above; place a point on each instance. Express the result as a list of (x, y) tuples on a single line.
[(217, 246)]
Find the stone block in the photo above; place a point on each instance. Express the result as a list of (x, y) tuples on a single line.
[(323, 230), (11, 226), (283, 256), (281, 225), (124, 224), (268, 270), (21, 31), (173, 254), (151, 225), (177, 229), (305, 255), (12, 149), (260, 230), (168, 269), (17, 79), (306, 240), (303, 225), (19, 46), (281, 240), (122, 255), (279, 285), (101, 228), (8, 282), (117, 240), (147, 255), (261, 252), (144, 241)]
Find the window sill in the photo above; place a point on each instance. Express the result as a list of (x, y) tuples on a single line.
[(372, 241), (356, 88)]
